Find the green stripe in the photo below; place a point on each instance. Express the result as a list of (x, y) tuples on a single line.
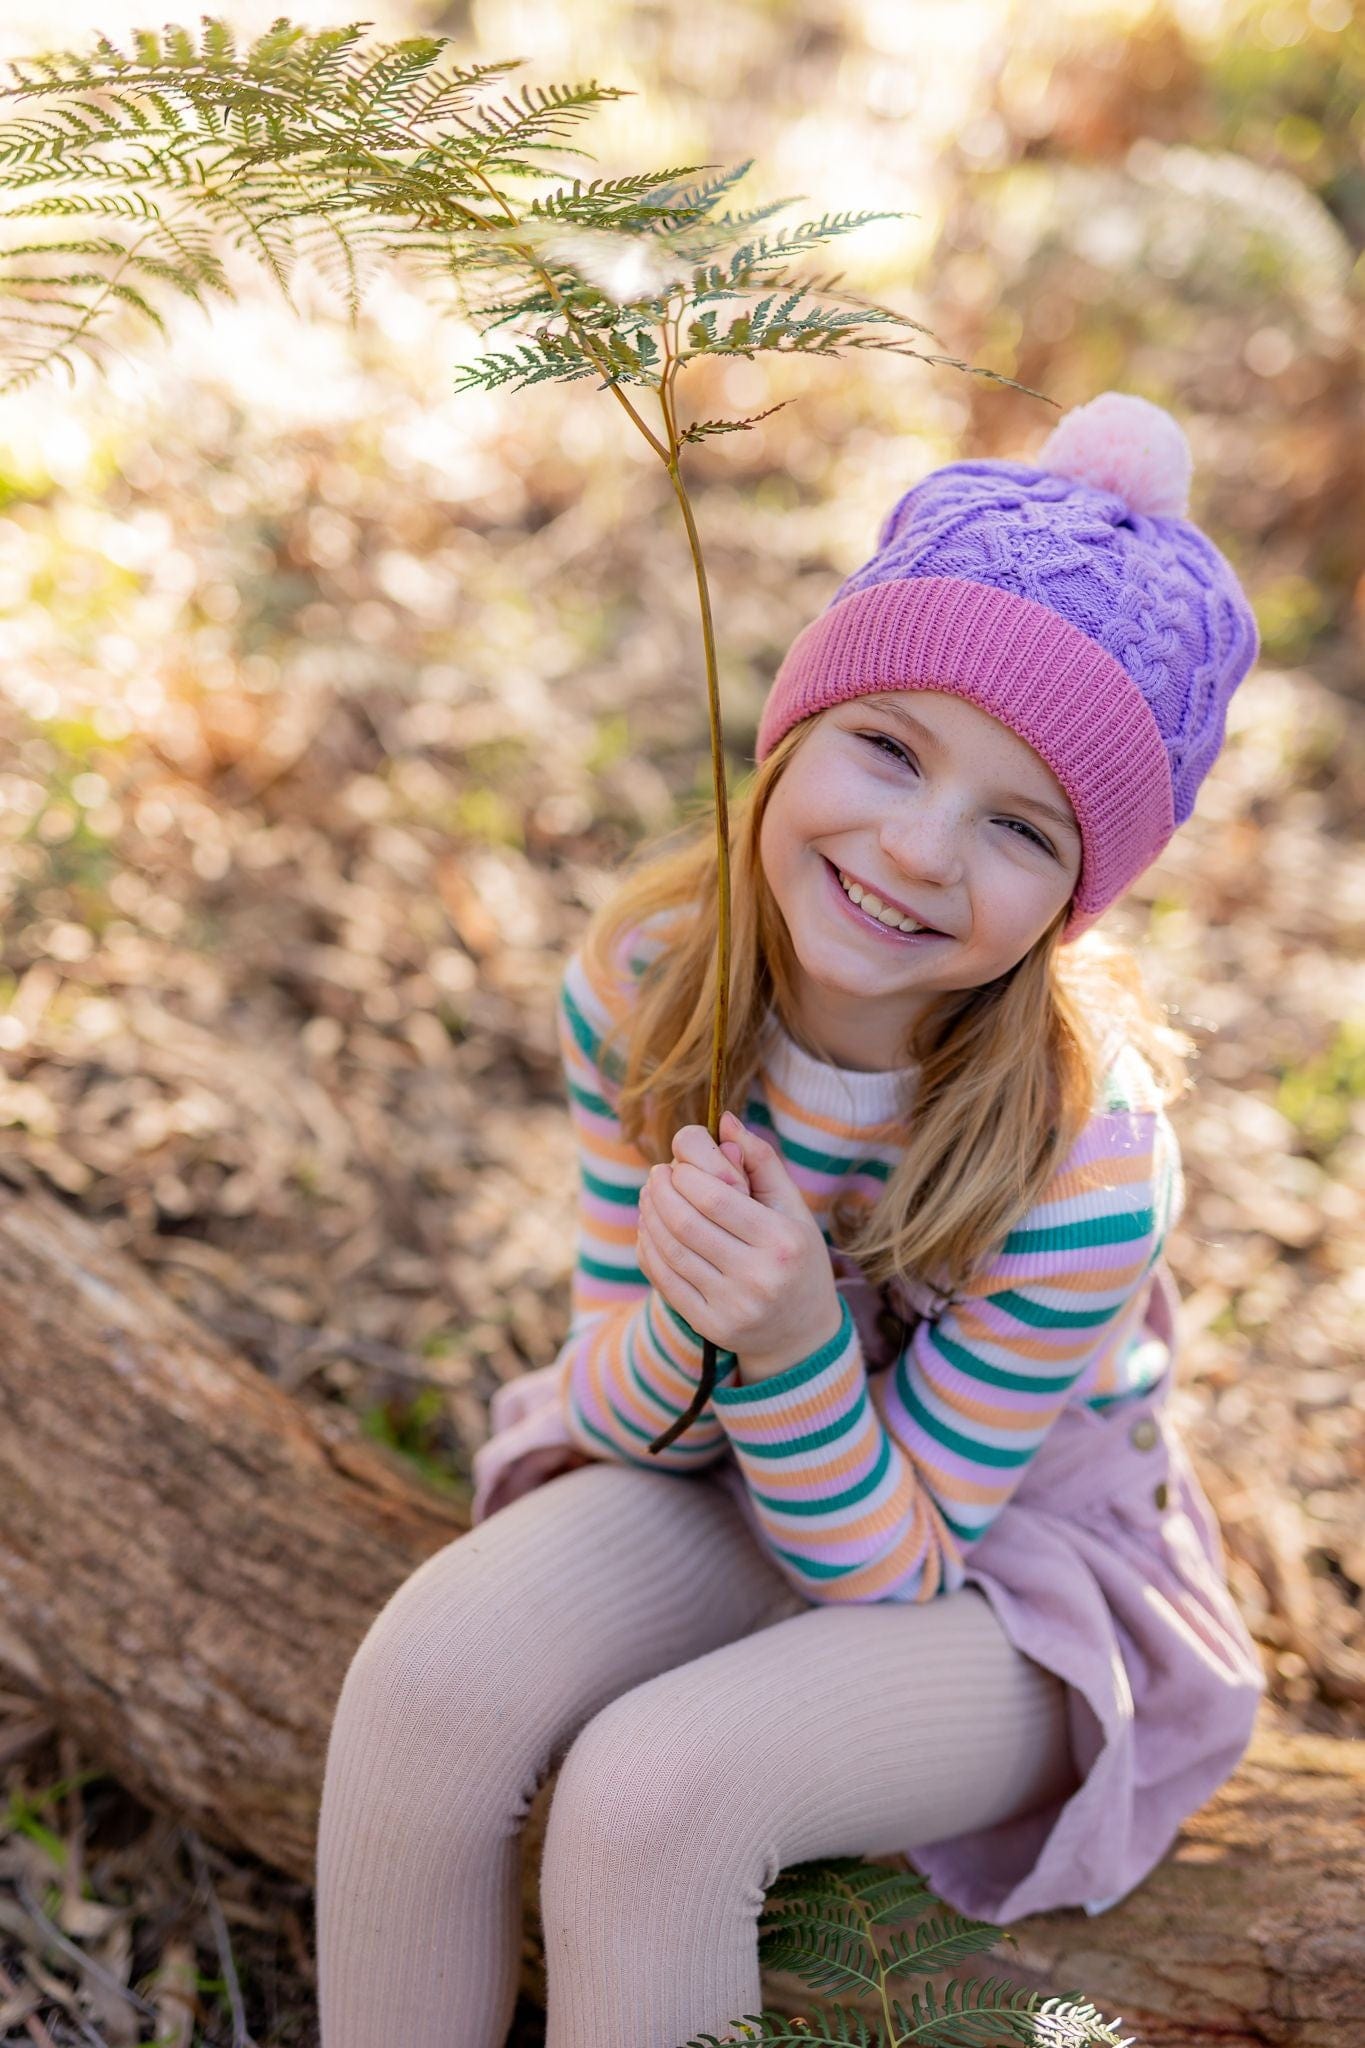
[(834, 1503), (976, 1368), (962, 1446), (829, 1163), (1066, 1237), (811, 1570), (625, 1276), (588, 1039), (650, 1464), (803, 1370), (1033, 1312), (609, 1190), (961, 1530), (597, 1104), (796, 1446)]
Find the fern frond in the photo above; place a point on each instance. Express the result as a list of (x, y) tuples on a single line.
[(822, 1952), (694, 202), (936, 1942), (522, 368)]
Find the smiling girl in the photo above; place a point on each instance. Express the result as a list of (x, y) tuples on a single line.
[(931, 1571)]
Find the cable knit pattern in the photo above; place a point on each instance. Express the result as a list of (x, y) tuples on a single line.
[(1156, 594), (866, 1487), (1110, 638)]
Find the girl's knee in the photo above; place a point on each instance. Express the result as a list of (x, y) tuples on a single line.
[(436, 1655), (654, 1787)]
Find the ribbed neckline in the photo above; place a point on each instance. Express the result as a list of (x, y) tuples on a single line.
[(846, 1094)]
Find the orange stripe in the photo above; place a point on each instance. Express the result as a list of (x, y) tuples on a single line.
[(1060, 1350), (615, 1234), (831, 1126), (974, 1408), (906, 1500), (804, 1408), (858, 1453)]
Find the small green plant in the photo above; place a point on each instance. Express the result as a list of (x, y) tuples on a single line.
[(819, 1924), (305, 141), (1319, 1097)]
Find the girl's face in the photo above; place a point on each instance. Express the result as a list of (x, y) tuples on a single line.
[(936, 809)]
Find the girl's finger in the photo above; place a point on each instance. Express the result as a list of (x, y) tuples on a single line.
[(689, 1226), (682, 1256), (676, 1290), (725, 1220), (695, 1144)]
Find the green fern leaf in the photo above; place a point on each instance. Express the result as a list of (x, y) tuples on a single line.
[(935, 1943), (988, 2012)]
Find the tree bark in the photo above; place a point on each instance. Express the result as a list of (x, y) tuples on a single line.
[(189, 1557)]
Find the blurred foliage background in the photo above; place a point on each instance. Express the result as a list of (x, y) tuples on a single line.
[(330, 700)]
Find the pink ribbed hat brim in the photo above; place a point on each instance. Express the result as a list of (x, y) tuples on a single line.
[(1039, 675)]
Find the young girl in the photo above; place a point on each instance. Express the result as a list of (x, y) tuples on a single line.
[(931, 1572)]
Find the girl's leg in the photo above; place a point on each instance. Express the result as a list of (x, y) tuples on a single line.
[(839, 1731), (471, 1681)]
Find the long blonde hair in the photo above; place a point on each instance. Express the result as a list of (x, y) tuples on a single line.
[(1007, 1072)]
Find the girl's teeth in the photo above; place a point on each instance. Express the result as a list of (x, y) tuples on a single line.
[(873, 906)]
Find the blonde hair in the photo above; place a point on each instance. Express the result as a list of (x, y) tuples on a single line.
[(1008, 1072)]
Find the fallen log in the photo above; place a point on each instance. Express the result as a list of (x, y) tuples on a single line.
[(189, 1556)]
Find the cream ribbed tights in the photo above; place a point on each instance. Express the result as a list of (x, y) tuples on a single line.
[(714, 1728)]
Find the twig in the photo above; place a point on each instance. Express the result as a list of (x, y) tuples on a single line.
[(240, 2037), (74, 1953)]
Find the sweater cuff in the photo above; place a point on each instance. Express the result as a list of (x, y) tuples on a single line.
[(797, 1376)]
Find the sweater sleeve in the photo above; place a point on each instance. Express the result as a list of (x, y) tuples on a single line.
[(630, 1364), (870, 1488)]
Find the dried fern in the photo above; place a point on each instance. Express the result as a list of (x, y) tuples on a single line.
[(818, 1923)]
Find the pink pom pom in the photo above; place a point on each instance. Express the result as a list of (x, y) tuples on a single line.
[(1127, 445)]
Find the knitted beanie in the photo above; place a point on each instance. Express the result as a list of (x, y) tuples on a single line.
[(1070, 598)]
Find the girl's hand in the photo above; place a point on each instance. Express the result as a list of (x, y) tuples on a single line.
[(747, 1266)]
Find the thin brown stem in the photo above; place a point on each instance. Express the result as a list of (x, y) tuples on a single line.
[(721, 1031)]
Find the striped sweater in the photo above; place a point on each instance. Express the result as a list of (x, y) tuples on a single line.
[(865, 1486)]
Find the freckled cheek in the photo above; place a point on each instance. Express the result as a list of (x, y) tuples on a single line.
[(1007, 904)]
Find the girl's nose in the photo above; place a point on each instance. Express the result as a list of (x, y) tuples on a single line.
[(926, 845)]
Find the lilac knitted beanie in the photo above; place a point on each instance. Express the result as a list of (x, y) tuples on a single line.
[(1070, 598)]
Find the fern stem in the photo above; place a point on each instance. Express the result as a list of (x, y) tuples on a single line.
[(720, 1033)]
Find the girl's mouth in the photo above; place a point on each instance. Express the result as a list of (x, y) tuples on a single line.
[(865, 919)]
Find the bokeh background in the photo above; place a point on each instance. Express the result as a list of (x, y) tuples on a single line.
[(330, 700)]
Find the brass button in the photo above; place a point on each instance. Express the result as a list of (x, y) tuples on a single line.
[(1161, 1494), (1143, 1434)]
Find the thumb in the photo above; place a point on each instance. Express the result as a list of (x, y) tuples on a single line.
[(769, 1181)]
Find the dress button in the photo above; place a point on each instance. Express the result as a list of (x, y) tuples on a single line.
[(1161, 1494), (1143, 1434)]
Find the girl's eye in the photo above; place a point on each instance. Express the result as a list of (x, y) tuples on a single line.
[(881, 739), (1016, 824)]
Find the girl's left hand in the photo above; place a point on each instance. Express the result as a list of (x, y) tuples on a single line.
[(751, 1272)]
